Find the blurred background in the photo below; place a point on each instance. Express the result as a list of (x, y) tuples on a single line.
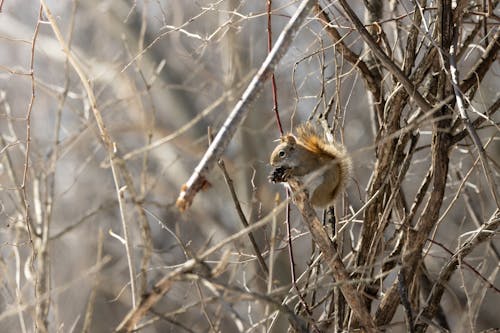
[(163, 73)]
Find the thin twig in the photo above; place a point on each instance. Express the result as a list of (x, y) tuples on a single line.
[(198, 179), (297, 322), (291, 260), (465, 119), (465, 263), (162, 286), (384, 59), (273, 78), (239, 210), (126, 235), (272, 245), (486, 231), (104, 135), (40, 249), (242, 217), (89, 311), (333, 260)]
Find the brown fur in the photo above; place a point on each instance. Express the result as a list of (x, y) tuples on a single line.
[(309, 153)]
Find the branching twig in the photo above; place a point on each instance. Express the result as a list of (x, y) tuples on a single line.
[(198, 179), (372, 81), (104, 135), (297, 322), (486, 231), (333, 260), (384, 59), (243, 219), (465, 119), (163, 285)]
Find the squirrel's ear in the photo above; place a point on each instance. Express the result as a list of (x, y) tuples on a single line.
[(289, 139)]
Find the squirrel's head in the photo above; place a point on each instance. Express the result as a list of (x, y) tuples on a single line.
[(282, 152)]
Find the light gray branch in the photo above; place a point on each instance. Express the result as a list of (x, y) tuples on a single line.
[(198, 179)]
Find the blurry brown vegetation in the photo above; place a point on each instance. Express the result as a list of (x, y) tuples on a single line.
[(105, 108)]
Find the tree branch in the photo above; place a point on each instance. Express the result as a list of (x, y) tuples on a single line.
[(332, 257), (198, 179)]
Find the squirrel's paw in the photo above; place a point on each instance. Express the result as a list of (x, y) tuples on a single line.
[(279, 175)]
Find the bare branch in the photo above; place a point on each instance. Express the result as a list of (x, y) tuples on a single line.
[(384, 59), (486, 231), (333, 260), (198, 179)]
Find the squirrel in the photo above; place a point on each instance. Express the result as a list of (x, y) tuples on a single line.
[(323, 167)]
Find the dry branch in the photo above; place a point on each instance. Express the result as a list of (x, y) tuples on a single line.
[(110, 147), (371, 79), (466, 120), (384, 58), (198, 179), (333, 259), (410, 193), (164, 284), (486, 231)]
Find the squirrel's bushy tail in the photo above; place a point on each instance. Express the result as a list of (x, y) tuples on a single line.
[(311, 138)]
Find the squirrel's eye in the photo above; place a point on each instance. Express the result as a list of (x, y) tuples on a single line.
[(282, 153)]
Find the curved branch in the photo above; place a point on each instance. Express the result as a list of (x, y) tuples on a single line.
[(372, 80), (384, 59)]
